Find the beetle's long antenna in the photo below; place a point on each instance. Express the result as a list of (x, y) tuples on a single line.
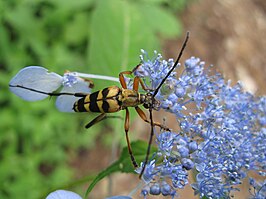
[(176, 62), (149, 145), (46, 93)]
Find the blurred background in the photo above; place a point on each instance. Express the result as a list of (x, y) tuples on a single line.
[(42, 149)]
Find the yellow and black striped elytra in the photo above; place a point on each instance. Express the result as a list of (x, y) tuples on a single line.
[(106, 100)]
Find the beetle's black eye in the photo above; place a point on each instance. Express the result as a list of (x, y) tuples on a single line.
[(146, 106)]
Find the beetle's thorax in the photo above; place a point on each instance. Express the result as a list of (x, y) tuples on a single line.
[(131, 98)]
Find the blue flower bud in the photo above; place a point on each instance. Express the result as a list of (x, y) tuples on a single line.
[(187, 163), (184, 152), (155, 189), (193, 146), (166, 189)]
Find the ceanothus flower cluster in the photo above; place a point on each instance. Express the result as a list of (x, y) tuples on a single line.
[(220, 131)]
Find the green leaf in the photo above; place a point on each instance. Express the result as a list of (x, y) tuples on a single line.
[(116, 37), (72, 5), (120, 29), (77, 30), (108, 37), (161, 20), (123, 164)]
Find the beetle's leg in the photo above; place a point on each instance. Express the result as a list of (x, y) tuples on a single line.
[(133, 160), (91, 83), (121, 75), (99, 118), (144, 117), (143, 85), (136, 67), (122, 78), (136, 83), (140, 80)]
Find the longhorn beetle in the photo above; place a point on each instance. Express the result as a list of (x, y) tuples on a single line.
[(113, 99)]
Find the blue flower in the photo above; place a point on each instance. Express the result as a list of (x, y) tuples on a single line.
[(259, 189), (69, 80), (63, 194), (221, 132), (165, 142), (149, 172)]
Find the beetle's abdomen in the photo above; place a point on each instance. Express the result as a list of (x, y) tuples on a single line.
[(102, 101)]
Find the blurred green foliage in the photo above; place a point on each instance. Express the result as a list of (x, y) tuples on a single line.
[(123, 163), (90, 36)]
